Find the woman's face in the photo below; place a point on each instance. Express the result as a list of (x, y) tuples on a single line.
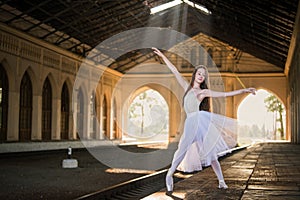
[(200, 75)]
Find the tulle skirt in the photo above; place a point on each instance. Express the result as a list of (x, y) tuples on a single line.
[(206, 135)]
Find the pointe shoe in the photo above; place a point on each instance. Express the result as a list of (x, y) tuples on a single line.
[(222, 185), (169, 184)]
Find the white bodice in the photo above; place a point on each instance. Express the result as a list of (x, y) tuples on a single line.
[(191, 103)]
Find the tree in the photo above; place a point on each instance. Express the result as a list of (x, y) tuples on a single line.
[(274, 105), (137, 109)]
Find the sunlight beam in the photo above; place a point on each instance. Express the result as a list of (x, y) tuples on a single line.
[(165, 6), (198, 6)]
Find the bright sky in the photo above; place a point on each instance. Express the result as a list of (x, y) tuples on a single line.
[(177, 2), (252, 110)]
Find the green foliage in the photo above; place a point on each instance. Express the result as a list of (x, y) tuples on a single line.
[(138, 108), (274, 105)]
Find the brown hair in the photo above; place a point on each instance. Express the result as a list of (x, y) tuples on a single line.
[(204, 105)]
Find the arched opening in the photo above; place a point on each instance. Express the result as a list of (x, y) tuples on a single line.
[(46, 110), (114, 124), (210, 62), (104, 118), (25, 113), (148, 117), (65, 103), (80, 114), (93, 116), (3, 103), (218, 57), (262, 117)]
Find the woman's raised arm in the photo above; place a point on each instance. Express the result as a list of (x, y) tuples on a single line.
[(173, 69)]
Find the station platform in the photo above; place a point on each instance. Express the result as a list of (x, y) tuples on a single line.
[(33, 146), (269, 170), (262, 171)]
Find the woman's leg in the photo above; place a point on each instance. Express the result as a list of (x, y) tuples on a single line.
[(187, 138), (177, 158), (218, 171), (183, 146)]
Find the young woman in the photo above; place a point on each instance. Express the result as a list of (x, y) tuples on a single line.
[(205, 134)]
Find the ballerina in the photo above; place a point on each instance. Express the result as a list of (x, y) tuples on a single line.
[(205, 134)]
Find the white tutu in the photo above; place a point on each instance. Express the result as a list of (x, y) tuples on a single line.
[(205, 136)]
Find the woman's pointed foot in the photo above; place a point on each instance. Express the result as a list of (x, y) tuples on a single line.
[(169, 184), (222, 184)]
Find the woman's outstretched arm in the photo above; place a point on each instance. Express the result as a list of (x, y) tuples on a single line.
[(209, 93), (173, 69)]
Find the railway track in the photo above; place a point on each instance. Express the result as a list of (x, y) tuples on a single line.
[(133, 189), (137, 188)]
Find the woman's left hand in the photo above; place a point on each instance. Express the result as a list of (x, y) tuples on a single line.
[(157, 52), (250, 90)]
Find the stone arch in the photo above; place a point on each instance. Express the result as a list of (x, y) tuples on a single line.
[(93, 115), (164, 92), (258, 117), (98, 104), (70, 115), (4, 85), (80, 113), (36, 86), (69, 85), (54, 86), (47, 100), (270, 90), (65, 109), (104, 117), (278, 95), (26, 108), (274, 84), (10, 74), (174, 106), (153, 122), (115, 132)]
